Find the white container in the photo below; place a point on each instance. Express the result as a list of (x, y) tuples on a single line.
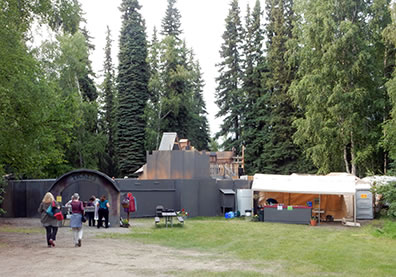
[(244, 201)]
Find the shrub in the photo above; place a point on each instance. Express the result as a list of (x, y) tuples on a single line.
[(2, 191), (388, 197)]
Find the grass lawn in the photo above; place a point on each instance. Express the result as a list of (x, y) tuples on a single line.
[(293, 250)]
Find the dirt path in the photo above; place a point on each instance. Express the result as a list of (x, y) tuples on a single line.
[(25, 253)]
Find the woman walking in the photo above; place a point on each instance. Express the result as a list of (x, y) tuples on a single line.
[(103, 211), (76, 219), (49, 222)]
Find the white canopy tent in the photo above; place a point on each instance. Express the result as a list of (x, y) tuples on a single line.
[(314, 184), (332, 184)]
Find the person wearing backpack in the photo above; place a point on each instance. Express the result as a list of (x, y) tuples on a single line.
[(76, 219), (129, 204), (103, 211), (48, 220)]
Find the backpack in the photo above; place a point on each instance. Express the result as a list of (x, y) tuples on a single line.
[(125, 203), (53, 210), (49, 210)]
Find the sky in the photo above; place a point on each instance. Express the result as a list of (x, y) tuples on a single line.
[(202, 22)]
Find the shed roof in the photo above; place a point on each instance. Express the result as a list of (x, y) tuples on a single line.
[(227, 191)]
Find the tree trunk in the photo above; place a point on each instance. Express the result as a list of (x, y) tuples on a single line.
[(346, 159), (353, 155), (158, 124)]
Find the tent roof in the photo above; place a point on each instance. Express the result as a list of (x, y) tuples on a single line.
[(311, 184)]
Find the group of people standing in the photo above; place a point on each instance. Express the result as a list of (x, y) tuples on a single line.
[(51, 223), (98, 211)]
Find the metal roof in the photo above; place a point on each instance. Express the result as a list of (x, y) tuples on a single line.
[(168, 141), (227, 191)]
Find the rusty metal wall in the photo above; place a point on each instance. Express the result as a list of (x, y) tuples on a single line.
[(176, 164)]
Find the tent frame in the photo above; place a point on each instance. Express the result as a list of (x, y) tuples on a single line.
[(309, 184)]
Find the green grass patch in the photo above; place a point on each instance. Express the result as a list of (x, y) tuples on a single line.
[(23, 230), (302, 250), (384, 228), (205, 273)]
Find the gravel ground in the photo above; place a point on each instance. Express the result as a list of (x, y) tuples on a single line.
[(23, 252)]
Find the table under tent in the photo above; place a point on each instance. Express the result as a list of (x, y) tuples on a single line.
[(329, 198)]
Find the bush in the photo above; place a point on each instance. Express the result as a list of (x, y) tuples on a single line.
[(388, 198), (2, 191)]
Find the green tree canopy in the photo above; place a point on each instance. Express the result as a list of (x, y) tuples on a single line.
[(335, 86), (228, 91)]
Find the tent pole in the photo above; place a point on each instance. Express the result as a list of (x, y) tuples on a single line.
[(319, 212), (354, 208)]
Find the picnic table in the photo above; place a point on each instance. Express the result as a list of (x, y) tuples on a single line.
[(168, 216)]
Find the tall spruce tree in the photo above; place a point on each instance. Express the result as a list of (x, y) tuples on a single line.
[(86, 81), (280, 154), (256, 107), (110, 165), (153, 111), (171, 25), (177, 75), (133, 77), (228, 91), (199, 127), (175, 87), (174, 75), (175, 78)]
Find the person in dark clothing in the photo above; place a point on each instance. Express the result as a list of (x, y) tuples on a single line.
[(90, 211), (103, 211)]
